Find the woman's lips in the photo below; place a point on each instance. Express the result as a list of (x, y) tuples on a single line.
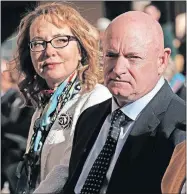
[(50, 65)]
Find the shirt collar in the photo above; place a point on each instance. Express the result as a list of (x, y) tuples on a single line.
[(133, 109)]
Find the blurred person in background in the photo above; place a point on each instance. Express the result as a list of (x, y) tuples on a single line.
[(181, 59), (7, 81), (61, 68), (15, 122), (175, 79), (167, 28), (101, 25), (181, 37)]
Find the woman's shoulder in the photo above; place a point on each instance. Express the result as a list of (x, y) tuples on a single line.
[(101, 89), (99, 94)]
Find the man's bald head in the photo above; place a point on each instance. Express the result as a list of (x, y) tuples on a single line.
[(134, 55), (137, 22)]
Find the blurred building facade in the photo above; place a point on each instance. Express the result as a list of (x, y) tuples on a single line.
[(12, 12)]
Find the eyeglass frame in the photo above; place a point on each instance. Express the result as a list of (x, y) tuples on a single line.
[(70, 38)]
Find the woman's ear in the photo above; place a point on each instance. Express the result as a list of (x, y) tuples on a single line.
[(83, 54), (80, 52)]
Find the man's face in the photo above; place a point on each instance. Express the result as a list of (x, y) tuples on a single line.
[(130, 63)]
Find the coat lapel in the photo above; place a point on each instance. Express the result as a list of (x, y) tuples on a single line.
[(90, 124), (148, 121), (96, 125)]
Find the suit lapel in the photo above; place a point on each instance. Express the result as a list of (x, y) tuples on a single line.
[(143, 128), (96, 125), (89, 134), (149, 119)]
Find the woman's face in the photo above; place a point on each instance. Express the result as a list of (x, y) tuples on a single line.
[(53, 64)]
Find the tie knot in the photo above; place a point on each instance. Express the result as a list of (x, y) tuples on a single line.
[(118, 117)]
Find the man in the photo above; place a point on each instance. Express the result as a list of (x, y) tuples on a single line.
[(132, 157)]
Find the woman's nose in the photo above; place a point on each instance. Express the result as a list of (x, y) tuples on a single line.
[(50, 50)]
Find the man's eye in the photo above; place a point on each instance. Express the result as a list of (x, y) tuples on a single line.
[(111, 54), (133, 57)]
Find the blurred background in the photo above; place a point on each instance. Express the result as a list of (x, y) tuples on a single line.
[(171, 11), (15, 121)]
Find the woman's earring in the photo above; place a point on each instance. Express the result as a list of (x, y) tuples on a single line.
[(79, 65)]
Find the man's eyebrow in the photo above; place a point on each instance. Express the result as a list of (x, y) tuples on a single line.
[(133, 53), (112, 51)]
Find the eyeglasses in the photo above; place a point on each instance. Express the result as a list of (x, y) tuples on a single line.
[(57, 42)]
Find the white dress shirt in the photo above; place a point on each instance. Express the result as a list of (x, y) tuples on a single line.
[(133, 111)]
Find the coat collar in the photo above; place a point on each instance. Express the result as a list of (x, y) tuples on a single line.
[(150, 116)]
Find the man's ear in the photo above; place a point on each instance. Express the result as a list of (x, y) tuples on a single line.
[(163, 60)]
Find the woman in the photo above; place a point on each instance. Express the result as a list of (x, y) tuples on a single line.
[(61, 69)]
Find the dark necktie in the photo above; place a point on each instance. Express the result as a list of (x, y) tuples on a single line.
[(100, 167)]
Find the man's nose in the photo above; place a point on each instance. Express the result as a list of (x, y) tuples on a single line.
[(121, 66)]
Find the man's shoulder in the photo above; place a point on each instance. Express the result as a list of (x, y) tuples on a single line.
[(168, 99), (178, 105), (174, 116)]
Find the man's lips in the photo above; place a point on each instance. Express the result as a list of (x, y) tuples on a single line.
[(119, 81), (116, 80)]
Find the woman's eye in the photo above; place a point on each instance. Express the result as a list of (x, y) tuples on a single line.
[(62, 40), (36, 44)]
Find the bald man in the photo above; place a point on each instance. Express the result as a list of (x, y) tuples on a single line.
[(124, 144)]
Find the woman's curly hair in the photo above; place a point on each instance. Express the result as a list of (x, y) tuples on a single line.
[(58, 14)]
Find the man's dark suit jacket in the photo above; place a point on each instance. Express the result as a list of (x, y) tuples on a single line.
[(147, 151)]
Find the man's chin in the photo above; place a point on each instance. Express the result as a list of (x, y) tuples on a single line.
[(122, 100), (118, 91)]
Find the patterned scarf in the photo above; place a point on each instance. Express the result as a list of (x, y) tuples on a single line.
[(65, 92), (58, 99)]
